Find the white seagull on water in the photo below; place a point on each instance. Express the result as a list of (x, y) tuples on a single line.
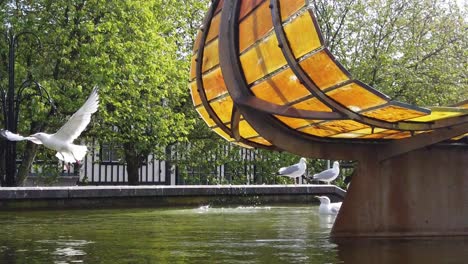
[(328, 175), (326, 207), (294, 171), (62, 140)]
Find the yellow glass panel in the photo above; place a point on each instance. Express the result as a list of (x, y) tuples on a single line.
[(259, 22), (267, 57), (393, 113), (196, 44), (294, 122), (436, 115), (246, 130), (342, 126), (381, 135), (204, 115), (214, 28), (302, 35), (323, 70), (260, 140), (240, 144), (192, 67), (214, 85), (318, 131), (281, 88), (223, 134), (348, 135), (195, 95), (262, 59), (210, 56), (223, 108), (355, 97), (247, 6), (399, 135), (313, 104)]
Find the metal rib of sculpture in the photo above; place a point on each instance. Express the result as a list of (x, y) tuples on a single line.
[(262, 76)]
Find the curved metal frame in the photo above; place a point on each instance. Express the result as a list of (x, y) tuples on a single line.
[(263, 122), (312, 87)]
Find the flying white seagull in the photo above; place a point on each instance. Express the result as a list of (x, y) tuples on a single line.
[(328, 175), (326, 207), (62, 140), (294, 171)]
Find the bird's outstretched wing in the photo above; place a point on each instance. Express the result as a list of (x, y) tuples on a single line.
[(11, 136), (79, 120), (17, 137)]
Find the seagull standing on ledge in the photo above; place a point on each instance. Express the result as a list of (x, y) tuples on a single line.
[(328, 175), (294, 171), (62, 140), (326, 207)]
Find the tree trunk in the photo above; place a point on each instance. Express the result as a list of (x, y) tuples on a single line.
[(2, 162), (133, 163), (28, 157)]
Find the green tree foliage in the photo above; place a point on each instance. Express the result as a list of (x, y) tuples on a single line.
[(413, 51), (134, 51)]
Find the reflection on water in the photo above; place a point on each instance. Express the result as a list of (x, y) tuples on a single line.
[(257, 234)]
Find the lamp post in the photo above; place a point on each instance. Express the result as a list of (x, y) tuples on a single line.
[(11, 101)]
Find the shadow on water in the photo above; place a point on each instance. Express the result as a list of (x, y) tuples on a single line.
[(448, 250)]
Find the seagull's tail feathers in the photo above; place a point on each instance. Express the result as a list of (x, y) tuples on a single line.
[(281, 170), (77, 153)]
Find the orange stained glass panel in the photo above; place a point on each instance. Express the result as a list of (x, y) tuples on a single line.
[(281, 88), (214, 28), (259, 22), (381, 134), (302, 35), (205, 116), (210, 56), (436, 115), (318, 131), (213, 83), (262, 59), (223, 134), (247, 6), (195, 95), (192, 67), (294, 122), (260, 140), (342, 126), (393, 113), (355, 97), (246, 130), (323, 70), (223, 108), (240, 144), (267, 57), (313, 104), (196, 43), (404, 134)]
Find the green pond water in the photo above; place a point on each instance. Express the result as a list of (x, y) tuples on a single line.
[(261, 234)]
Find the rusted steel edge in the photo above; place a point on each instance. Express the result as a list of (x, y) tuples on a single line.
[(200, 86), (276, 132), (401, 146), (336, 106), (198, 69), (283, 110)]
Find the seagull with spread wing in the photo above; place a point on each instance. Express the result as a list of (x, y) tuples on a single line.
[(327, 207), (62, 140)]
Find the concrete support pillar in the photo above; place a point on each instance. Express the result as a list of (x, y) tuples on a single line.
[(420, 193)]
